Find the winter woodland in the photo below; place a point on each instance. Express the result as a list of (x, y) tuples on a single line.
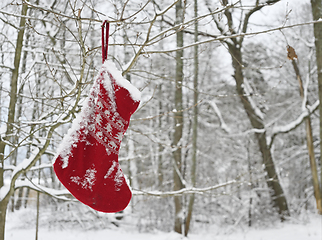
[(229, 126)]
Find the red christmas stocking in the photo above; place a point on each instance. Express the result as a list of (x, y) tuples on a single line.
[(87, 161)]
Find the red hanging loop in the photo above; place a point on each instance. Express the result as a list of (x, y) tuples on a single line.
[(105, 35)]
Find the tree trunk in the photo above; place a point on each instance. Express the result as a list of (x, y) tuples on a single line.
[(11, 114), (251, 186), (178, 124), (310, 145), (13, 89), (15, 138), (272, 179), (195, 122), (160, 146), (3, 213), (317, 14), (18, 204)]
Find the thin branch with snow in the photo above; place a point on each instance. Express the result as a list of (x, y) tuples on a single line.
[(189, 190), (295, 123)]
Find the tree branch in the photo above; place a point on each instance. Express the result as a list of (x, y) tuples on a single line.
[(189, 190), (294, 124)]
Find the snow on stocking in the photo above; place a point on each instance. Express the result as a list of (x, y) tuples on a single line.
[(87, 161)]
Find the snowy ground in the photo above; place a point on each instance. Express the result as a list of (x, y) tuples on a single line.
[(310, 229)]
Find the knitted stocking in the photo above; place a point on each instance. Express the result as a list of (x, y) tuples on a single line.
[(87, 163)]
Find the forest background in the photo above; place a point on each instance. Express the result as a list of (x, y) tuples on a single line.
[(228, 130)]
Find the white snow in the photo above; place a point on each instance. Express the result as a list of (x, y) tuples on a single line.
[(88, 181), (4, 190), (110, 170), (118, 178), (111, 68), (301, 230)]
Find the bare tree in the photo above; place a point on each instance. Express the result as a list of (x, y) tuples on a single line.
[(178, 123), (253, 112), (11, 117), (308, 127), (317, 14), (194, 124)]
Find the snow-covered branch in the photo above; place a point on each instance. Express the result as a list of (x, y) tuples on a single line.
[(62, 194), (188, 190), (295, 123), (223, 124)]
